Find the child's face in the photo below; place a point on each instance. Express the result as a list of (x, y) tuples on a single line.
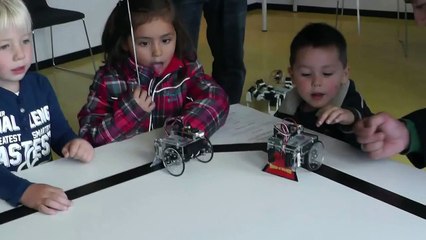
[(15, 57), (318, 74), (419, 8), (155, 43)]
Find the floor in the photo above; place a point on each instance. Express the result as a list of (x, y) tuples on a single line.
[(387, 79)]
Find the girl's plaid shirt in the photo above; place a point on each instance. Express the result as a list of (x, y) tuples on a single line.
[(112, 114)]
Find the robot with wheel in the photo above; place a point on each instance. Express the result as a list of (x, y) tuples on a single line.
[(290, 147), (182, 144)]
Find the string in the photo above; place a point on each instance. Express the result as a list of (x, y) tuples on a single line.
[(133, 42)]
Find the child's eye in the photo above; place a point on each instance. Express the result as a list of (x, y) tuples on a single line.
[(327, 74), (167, 40), (26, 41), (143, 43), (4, 47), (305, 74)]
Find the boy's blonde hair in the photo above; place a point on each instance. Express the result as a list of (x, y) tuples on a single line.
[(14, 13)]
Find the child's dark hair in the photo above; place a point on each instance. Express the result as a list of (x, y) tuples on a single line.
[(319, 35), (117, 28)]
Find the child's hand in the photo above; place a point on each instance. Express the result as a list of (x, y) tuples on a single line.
[(143, 99), (46, 199), (79, 149), (333, 115)]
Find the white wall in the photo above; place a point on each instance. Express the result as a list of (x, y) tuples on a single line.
[(70, 37), (378, 5)]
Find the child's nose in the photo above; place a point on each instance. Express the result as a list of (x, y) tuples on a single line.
[(157, 51), (317, 81), (18, 53)]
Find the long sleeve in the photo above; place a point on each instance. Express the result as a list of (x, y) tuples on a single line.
[(111, 113), (357, 105), (209, 108), (355, 101), (11, 187), (418, 159)]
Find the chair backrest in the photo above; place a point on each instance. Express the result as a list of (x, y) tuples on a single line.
[(42, 15), (35, 5)]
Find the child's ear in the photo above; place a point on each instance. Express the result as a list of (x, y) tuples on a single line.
[(345, 75), (290, 73), (125, 44), (124, 47)]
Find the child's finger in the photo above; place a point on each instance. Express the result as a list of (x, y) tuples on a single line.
[(57, 204), (323, 117), (65, 152), (73, 149), (152, 106), (85, 154), (55, 201), (60, 196), (334, 117), (89, 156), (143, 95), (46, 210), (136, 92)]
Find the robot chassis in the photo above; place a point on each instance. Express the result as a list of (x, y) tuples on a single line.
[(182, 144), (295, 147)]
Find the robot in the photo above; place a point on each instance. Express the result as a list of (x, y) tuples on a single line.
[(274, 95), (181, 144), (290, 147)]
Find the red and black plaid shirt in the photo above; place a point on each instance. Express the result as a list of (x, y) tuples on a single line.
[(112, 114)]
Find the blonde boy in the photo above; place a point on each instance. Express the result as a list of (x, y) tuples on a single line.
[(31, 121)]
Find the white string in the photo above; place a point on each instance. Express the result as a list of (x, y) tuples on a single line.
[(150, 126), (172, 87), (133, 41)]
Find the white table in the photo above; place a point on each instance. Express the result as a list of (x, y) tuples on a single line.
[(228, 198)]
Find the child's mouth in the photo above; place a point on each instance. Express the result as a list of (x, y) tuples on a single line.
[(18, 70), (317, 96), (158, 67)]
